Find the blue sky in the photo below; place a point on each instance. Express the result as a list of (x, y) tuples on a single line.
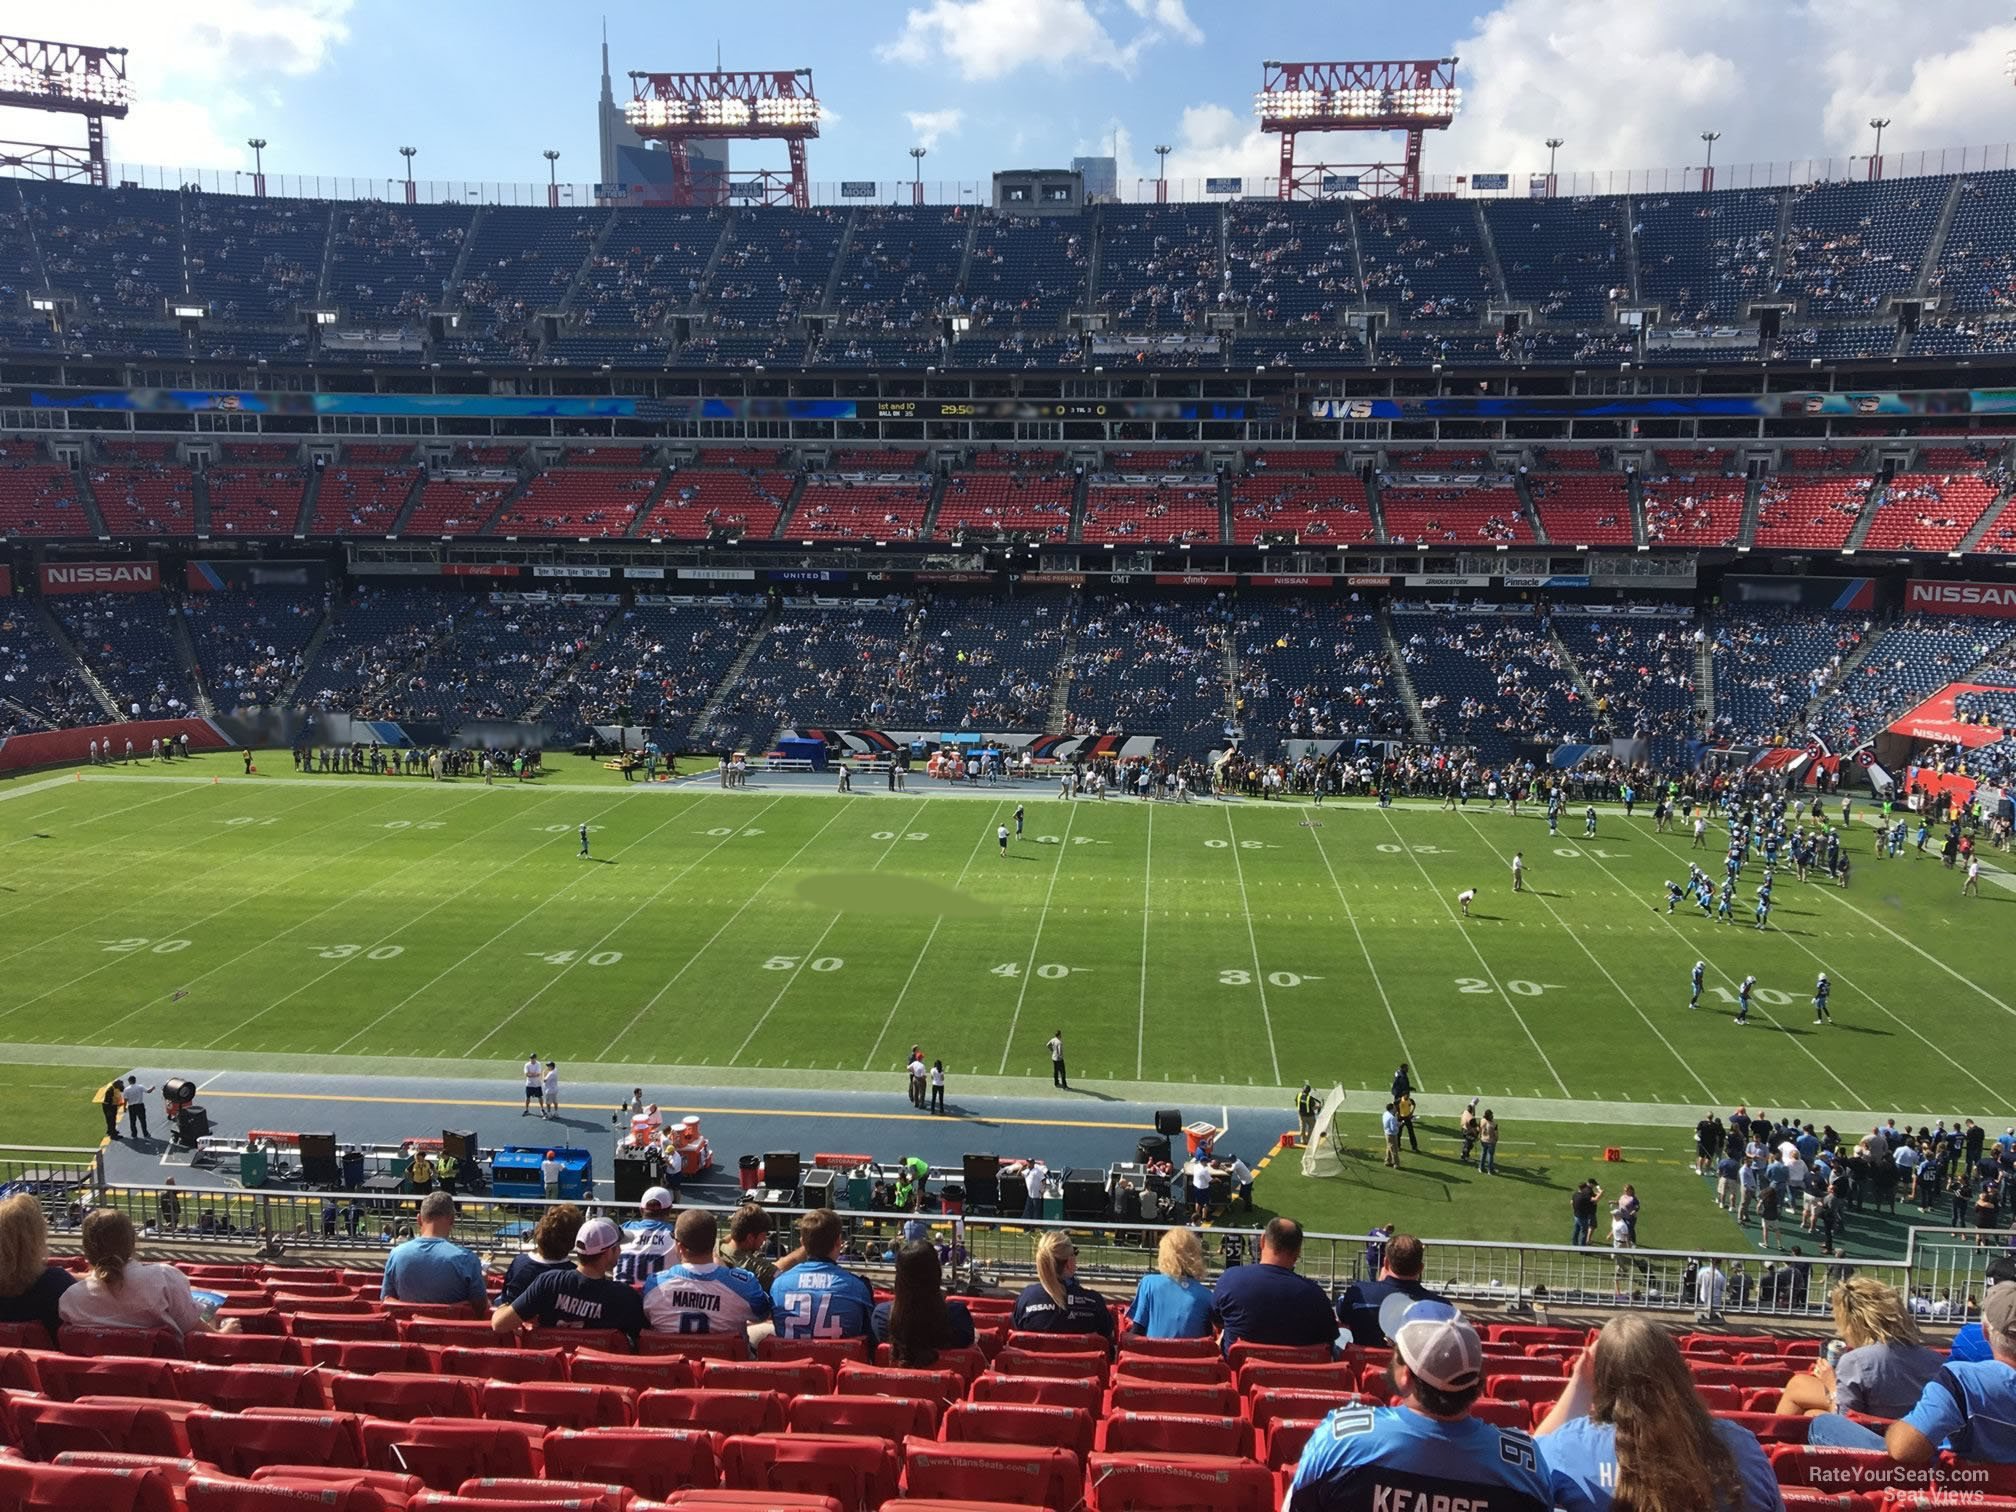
[(336, 86)]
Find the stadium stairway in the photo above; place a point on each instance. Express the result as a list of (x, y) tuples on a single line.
[(1532, 514), (199, 500), (185, 655), (1630, 221), (305, 519), (1753, 497), (1935, 248), (536, 709), (1989, 518), (781, 532), (1849, 663), (651, 502), (1574, 670), (451, 287), (406, 509), (61, 638), (309, 649), (1864, 520), (1704, 682), (1636, 493), (1060, 692), (1403, 684), (1372, 502), (831, 293), (711, 710), (937, 501), (1490, 246), (90, 502)]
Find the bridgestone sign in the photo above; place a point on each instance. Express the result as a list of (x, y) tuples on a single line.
[(100, 577), (1983, 600)]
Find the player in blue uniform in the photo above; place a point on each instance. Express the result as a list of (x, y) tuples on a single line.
[(1589, 822), (816, 1299), (1430, 1452), (1821, 990), (1743, 990), (1723, 903), (1700, 970)]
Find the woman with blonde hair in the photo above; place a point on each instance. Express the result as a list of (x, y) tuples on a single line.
[(1057, 1303), (30, 1287), (1886, 1366), (1173, 1301), (121, 1292), (1630, 1432)]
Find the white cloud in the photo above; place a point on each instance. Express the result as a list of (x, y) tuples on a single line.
[(990, 39), (933, 125), (200, 76), (1632, 87)]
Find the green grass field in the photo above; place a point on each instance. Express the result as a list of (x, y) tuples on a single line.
[(1219, 951)]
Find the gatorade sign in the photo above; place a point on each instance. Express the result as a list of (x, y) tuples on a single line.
[(100, 577), (1984, 600)]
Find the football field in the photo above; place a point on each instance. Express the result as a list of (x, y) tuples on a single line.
[(1215, 949)]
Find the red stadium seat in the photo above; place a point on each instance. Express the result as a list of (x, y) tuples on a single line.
[(1282, 1442), (177, 1468), (1497, 1364), (593, 1367), (721, 1346), (833, 1353), (244, 1349), (443, 1451), (326, 1325), (557, 1405), (143, 1343), (25, 1336), (370, 1356), (1041, 1391), (890, 1417), (239, 1443), (1812, 1465), (233, 1388), (45, 1429), (749, 1501), (1957, 1474), (1146, 1483), (345, 1303), (467, 1332), (935, 1386), (1945, 1501), (1130, 1395), (1206, 1372), (1018, 1423), (67, 1377), (1176, 1349), (1175, 1433), (215, 1494), (855, 1470), (62, 1488), (1522, 1334), (1341, 1375), (504, 1364), (1080, 1366), (1021, 1474), (792, 1377), (651, 1461), (968, 1362), (397, 1489), (1504, 1414), (1804, 1499), (1271, 1403), (1054, 1343), (937, 1504), (401, 1396), (1244, 1350), (1771, 1427), (590, 1496), (570, 1340), (1529, 1389), (715, 1410)]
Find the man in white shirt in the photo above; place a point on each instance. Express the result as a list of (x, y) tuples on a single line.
[(1242, 1182), (1466, 897), (1389, 1125), (532, 1086), (1710, 1286), (1058, 1076), (549, 1173), (699, 1294), (549, 1091), (1032, 1184), (916, 1077), (647, 1238)]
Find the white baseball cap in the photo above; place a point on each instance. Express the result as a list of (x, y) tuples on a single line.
[(1440, 1346), (598, 1236), (657, 1197)]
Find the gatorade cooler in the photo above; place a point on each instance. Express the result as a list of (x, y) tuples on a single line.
[(1198, 1136), (685, 1136), (749, 1172), (952, 1199)]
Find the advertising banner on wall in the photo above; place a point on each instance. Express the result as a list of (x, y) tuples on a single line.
[(1802, 592), (216, 577), (100, 577), (1982, 600)]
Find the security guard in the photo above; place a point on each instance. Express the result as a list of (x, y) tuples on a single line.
[(447, 1168), (1307, 1106), (420, 1172), (1404, 1106)]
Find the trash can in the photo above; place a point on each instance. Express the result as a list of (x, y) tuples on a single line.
[(1151, 1148), (952, 1199), (860, 1192), (353, 1170), (252, 1168), (749, 1171)]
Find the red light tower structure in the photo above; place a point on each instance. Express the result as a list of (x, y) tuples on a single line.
[(63, 78), (678, 108), (1415, 96)]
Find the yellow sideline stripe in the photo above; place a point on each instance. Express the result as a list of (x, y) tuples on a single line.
[(476, 1102)]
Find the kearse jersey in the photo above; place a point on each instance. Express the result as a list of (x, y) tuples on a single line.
[(819, 1300), (698, 1299), (1392, 1459)]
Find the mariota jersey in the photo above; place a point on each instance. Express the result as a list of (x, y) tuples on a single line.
[(647, 1249), (1391, 1459), (819, 1300), (692, 1299)]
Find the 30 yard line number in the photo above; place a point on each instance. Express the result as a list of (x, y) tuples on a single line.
[(359, 952), (1234, 977)]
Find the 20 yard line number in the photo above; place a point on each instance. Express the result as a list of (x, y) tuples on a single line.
[(134, 944), (1517, 986)]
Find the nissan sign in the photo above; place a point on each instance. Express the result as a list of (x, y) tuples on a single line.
[(1985, 600), (100, 577)]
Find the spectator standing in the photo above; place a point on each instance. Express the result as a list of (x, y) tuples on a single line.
[(31, 1289), (549, 1091), (1487, 1144), (1886, 1367), (1630, 1430), (1173, 1301), (552, 1242), (1361, 1305), (1057, 1302), (1711, 1286), (583, 1295), (916, 1071), (1032, 1186), (550, 1171), (1268, 1302), (431, 1267), (1583, 1206), (1429, 1451), (110, 1099), (814, 1298), (918, 1322), (135, 1097), (1467, 1127), (937, 1078), (534, 1087), (1403, 1106), (1389, 1126), (1058, 1076), (1307, 1106), (121, 1292)]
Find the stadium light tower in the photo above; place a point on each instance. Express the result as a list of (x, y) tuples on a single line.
[(1554, 145), (1162, 173), (917, 175), (1416, 97), (1876, 157), (552, 156), (63, 78), (407, 153), (258, 146), (1708, 169), (680, 108)]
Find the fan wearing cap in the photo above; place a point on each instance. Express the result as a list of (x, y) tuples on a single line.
[(1428, 1452), (700, 1295), (1970, 1343), (1969, 1408), (647, 1239), (582, 1296)]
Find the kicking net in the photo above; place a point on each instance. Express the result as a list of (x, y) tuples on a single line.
[(1324, 1152)]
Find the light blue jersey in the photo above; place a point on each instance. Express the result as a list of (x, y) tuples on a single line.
[(1369, 1459)]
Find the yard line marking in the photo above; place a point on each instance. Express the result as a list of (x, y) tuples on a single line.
[(1547, 903), (792, 976), (206, 918), (611, 932), (446, 970), (1836, 892), (123, 808), (1147, 872), (1253, 940), (1029, 969), (876, 1048), (1482, 965), (754, 894), (1703, 955), (29, 789), (511, 814), (1359, 935)]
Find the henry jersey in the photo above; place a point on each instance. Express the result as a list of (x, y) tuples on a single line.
[(819, 1300), (698, 1299), (1391, 1459)]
